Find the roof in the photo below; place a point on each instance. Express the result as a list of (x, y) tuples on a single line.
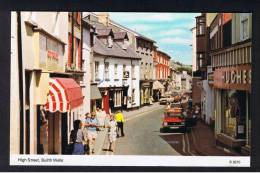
[(132, 31), (116, 50), (104, 32), (120, 35), (160, 51)]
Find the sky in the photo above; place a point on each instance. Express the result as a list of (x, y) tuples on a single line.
[(171, 31)]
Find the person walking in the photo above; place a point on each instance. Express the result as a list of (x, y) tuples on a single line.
[(92, 125), (112, 132), (120, 123), (77, 138)]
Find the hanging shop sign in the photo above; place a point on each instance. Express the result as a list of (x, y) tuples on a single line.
[(236, 77)]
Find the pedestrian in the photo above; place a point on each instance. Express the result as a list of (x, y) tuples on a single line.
[(112, 132), (77, 138), (120, 123), (101, 115), (85, 131), (92, 127)]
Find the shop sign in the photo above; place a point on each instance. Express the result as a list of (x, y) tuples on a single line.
[(145, 84), (51, 54), (238, 77)]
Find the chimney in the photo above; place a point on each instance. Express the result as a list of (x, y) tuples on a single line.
[(103, 17)]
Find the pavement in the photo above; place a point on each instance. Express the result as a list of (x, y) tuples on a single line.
[(128, 115)]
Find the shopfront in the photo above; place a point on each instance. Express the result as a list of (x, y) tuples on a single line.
[(118, 98), (63, 106), (146, 92), (233, 85)]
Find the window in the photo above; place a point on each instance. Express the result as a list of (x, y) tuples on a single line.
[(110, 41), (117, 98), (133, 95), (96, 70), (115, 70), (201, 25), (124, 68), (106, 70), (244, 25), (133, 71)]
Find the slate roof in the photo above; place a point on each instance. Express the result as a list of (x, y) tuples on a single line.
[(120, 35)]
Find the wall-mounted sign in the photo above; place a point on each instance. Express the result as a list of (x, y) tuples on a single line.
[(126, 74), (235, 77), (51, 54)]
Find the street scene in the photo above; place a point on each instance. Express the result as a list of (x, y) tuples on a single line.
[(102, 83)]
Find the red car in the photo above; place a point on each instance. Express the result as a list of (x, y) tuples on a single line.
[(173, 120)]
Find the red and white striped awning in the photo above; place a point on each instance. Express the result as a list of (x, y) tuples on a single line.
[(64, 95)]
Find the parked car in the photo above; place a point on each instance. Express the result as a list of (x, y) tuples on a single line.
[(166, 99), (173, 120)]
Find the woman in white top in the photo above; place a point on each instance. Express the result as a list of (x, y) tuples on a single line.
[(112, 125)]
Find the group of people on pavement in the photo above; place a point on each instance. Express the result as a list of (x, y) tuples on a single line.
[(85, 132)]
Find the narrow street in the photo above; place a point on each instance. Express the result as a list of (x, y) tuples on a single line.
[(142, 137)]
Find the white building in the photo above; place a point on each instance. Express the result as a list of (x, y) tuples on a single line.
[(115, 68), (182, 81)]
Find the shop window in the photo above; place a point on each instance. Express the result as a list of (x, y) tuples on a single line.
[(234, 113), (133, 95), (117, 98)]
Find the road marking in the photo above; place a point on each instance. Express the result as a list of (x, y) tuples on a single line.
[(183, 144), (188, 142)]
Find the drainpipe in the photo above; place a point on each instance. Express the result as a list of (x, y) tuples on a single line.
[(20, 69)]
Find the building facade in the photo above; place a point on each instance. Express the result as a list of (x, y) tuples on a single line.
[(42, 51), (230, 43), (115, 68)]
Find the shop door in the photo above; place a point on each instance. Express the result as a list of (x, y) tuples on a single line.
[(54, 141), (64, 130), (124, 98)]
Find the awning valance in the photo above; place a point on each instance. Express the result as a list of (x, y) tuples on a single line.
[(64, 95), (94, 92), (157, 85)]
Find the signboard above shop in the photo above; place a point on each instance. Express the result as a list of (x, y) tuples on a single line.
[(234, 77), (51, 55)]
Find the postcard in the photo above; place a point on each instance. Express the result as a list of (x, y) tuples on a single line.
[(130, 89)]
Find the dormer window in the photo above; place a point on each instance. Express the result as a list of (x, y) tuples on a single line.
[(125, 44), (110, 41)]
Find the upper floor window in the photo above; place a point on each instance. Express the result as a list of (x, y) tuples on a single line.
[(106, 70), (110, 41), (115, 70), (244, 26), (201, 25), (124, 68), (133, 71), (96, 70)]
